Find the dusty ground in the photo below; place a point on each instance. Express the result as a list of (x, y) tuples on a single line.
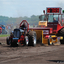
[(31, 55)]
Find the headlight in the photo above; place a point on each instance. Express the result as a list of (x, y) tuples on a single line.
[(45, 31)]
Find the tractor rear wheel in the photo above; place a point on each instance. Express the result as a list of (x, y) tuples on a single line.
[(26, 40), (61, 33), (32, 38)]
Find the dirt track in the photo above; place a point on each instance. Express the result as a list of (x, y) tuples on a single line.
[(32, 55)]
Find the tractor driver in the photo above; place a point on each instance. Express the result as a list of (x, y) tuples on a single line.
[(54, 20), (24, 27)]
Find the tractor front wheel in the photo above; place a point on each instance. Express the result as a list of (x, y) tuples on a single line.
[(50, 41), (8, 41)]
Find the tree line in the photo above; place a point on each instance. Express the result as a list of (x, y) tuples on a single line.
[(10, 20)]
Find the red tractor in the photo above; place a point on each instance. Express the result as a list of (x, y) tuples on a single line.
[(53, 19), (22, 36), (50, 27)]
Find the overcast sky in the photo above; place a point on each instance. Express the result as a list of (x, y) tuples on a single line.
[(17, 8)]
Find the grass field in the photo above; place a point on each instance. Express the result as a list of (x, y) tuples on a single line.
[(4, 35)]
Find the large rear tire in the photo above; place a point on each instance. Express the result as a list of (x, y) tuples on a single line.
[(26, 40), (61, 33), (32, 38)]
